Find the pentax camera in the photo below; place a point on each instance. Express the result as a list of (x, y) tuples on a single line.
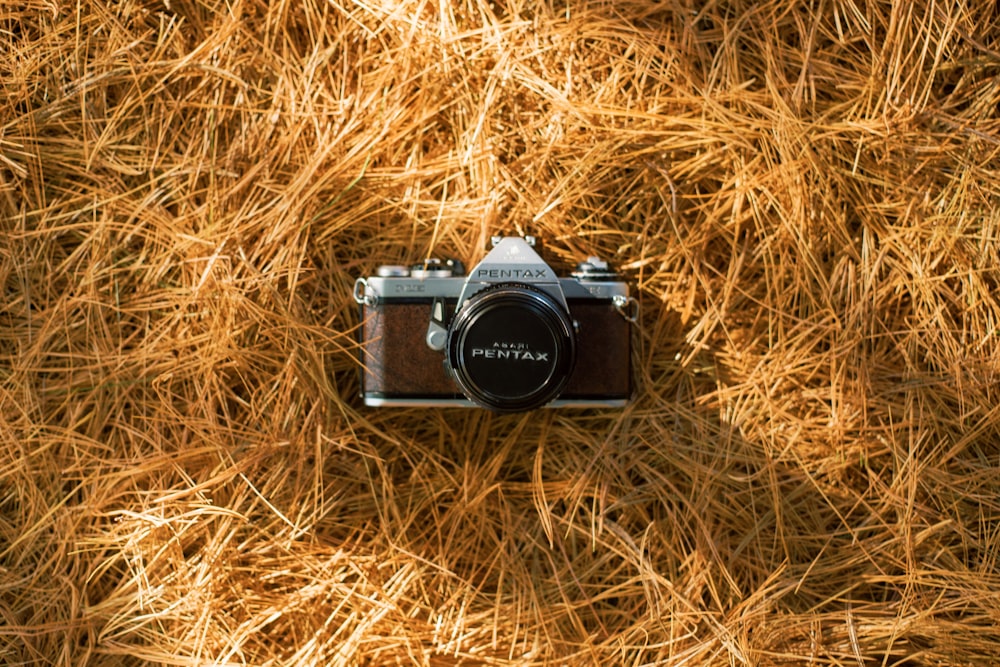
[(509, 336)]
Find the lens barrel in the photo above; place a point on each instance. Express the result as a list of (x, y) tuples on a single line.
[(511, 347)]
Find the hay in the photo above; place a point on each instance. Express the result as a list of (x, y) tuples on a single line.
[(805, 195)]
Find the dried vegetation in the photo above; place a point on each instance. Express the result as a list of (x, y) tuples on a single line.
[(805, 195)]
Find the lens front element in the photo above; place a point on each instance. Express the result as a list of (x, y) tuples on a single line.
[(511, 348)]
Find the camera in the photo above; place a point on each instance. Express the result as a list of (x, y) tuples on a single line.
[(510, 336)]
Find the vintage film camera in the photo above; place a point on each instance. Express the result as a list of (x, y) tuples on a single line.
[(510, 336)]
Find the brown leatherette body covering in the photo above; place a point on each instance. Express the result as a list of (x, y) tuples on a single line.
[(603, 352), (398, 362), (396, 358)]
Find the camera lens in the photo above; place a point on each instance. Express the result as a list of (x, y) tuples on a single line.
[(511, 347)]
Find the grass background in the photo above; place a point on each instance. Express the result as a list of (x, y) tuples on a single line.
[(803, 193)]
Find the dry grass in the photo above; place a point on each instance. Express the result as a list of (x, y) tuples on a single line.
[(806, 195)]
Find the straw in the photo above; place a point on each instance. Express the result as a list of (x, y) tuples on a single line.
[(803, 196)]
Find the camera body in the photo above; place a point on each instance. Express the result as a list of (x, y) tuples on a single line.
[(509, 336)]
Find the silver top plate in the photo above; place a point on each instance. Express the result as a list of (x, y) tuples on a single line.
[(429, 288)]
